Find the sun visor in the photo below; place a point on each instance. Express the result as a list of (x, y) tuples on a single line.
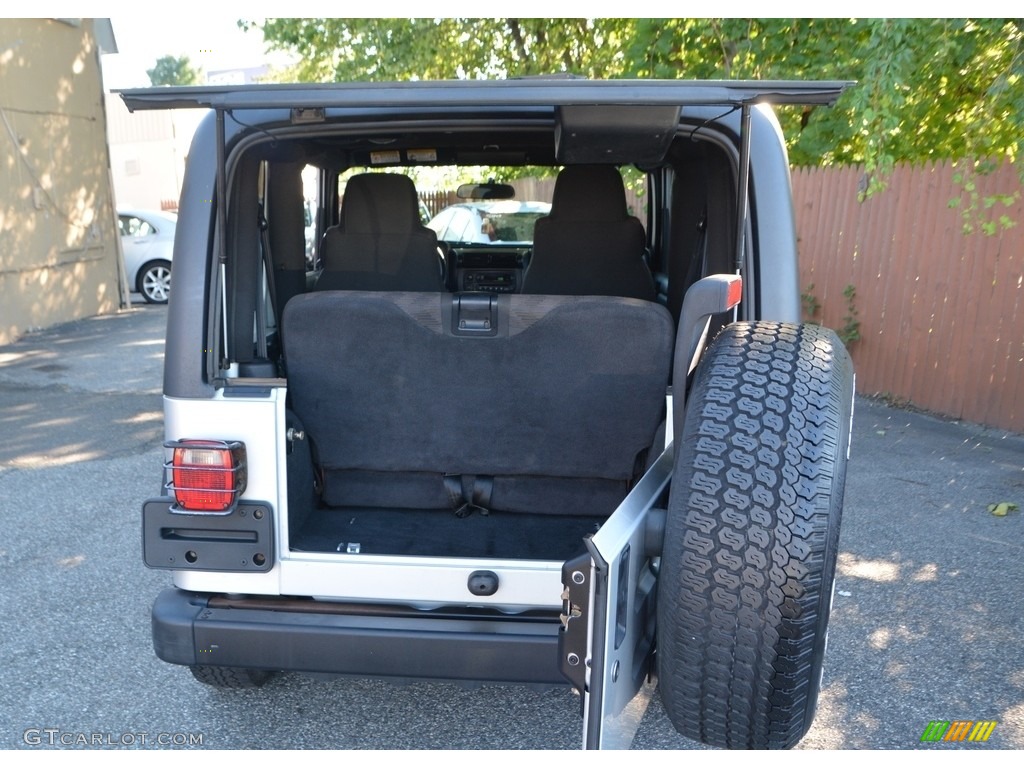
[(638, 134)]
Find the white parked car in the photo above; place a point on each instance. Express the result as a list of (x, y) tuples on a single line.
[(147, 239)]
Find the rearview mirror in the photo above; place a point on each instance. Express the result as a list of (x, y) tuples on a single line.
[(488, 191)]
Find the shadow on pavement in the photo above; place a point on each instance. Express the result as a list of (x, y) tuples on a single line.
[(83, 390)]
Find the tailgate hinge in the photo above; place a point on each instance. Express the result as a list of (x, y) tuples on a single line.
[(573, 648)]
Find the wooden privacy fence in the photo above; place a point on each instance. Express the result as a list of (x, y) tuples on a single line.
[(436, 200), (941, 312)]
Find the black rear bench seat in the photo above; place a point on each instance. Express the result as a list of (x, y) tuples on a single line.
[(532, 404)]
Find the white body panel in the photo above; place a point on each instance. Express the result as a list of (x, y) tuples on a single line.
[(421, 581)]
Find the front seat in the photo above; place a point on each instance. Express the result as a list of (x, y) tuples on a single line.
[(380, 244), (589, 245)]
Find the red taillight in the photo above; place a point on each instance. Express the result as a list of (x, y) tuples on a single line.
[(207, 475), (735, 292)]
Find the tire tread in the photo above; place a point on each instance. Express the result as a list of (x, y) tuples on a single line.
[(751, 535), (230, 677)]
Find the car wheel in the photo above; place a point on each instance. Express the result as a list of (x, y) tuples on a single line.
[(751, 535), (231, 677), (154, 282)]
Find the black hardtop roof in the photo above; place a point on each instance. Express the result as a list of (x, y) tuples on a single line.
[(528, 92)]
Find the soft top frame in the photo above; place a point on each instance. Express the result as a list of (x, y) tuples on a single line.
[(498, 93)]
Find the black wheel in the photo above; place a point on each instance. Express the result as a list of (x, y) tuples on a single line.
[(231, 677), (154, 281), (751, 536)]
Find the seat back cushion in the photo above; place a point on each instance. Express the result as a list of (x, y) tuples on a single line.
[(589, 244), (557, 406), (380, 243)]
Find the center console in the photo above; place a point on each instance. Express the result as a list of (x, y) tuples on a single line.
[(489, 270)]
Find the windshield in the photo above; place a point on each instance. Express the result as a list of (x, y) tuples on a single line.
[(506, 221), (466, 220)]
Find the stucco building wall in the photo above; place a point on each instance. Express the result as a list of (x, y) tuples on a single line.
[(59, 249)]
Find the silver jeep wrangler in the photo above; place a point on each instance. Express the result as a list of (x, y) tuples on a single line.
[(607, 455)]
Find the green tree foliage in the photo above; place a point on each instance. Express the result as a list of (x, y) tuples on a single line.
[(421, 49), (928, 88), (173, 70)]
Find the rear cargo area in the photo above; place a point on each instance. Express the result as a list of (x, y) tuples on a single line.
[(514, 442)]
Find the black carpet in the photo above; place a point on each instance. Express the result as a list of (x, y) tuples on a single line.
[(440, 533)]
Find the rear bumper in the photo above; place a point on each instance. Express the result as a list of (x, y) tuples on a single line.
[(366, 641)]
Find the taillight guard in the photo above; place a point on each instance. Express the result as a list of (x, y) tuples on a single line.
[(206, 477)]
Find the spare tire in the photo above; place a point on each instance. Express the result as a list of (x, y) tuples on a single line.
[(751, 535)]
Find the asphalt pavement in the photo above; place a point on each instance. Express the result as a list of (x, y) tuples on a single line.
[(927, 622)]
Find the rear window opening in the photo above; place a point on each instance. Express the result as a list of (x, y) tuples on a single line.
[(303, 234)]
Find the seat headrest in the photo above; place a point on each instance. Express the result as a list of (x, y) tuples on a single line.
[(380, 202), (589, 193)]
